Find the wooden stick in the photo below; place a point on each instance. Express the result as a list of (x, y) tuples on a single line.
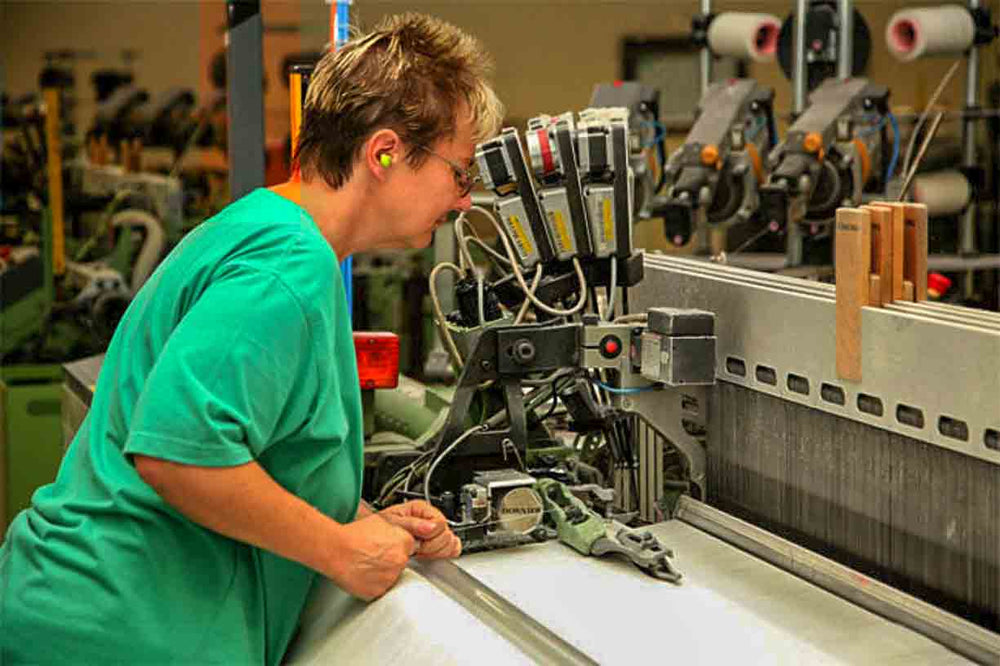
[(874, 290), (896, 247), (882, 250), (853, 259), (915, 254)]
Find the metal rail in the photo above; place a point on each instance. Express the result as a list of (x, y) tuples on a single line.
[(953, 632), (534, 639)]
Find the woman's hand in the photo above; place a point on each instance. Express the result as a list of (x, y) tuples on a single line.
[(435, 540), (370, 556)]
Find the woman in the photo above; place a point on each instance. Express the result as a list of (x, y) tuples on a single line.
[(218, 472)]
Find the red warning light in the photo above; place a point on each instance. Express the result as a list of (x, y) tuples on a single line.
[(378, 359)]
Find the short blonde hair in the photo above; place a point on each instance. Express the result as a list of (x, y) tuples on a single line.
[(411, 74)]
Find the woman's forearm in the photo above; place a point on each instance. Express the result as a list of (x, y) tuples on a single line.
[(246, 504)]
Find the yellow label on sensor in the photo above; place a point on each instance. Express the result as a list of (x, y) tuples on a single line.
[(563, 233), (609, 223), (520, 236)]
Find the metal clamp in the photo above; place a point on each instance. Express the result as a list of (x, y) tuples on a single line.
[(644, 549)]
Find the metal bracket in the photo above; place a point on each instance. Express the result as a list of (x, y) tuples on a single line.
[(674, 417)]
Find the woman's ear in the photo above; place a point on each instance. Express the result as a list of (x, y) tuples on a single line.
[(382, 150)]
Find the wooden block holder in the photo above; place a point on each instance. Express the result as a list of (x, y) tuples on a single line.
[(881, 257)]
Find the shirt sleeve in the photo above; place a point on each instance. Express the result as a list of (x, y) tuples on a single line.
[(218, 391)]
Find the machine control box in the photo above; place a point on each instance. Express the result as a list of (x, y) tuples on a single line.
[(678, 347), (509, 498)]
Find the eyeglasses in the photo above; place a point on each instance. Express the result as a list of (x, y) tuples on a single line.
[(465, 179)]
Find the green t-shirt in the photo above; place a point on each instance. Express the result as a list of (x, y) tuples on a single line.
[(238, 348)]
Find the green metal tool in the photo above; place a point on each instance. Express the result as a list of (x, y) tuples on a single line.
[(587, 532), (576, 525)]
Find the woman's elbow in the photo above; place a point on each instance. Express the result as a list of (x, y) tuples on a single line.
[(153, 471)]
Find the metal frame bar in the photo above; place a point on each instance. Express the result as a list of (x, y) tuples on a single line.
[(773, 261), (799, 65), (705, 57), (845, 51), (245, 103), (786, 327), (967, 227)]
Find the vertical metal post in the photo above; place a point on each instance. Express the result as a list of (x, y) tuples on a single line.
[(845, 56), (799, 67), (706, 53), (54, 163), (794, 251), (793, 239), (298, 83), (245, 96), (436, 365), (967, 230), (340, 17)]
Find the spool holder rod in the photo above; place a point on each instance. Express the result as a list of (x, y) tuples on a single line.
[(799, 67), (705, 57), (967, 229), (845, 59)]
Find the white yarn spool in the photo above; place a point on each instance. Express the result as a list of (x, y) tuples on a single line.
[(745, 35), (914, 33), (943, 192)]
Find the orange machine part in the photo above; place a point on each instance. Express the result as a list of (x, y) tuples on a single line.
[(710, 155), (866, 160), (758, 164), (813, 142)]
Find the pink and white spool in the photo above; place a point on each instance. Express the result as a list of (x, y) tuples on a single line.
[(745, 36), (929, 31)]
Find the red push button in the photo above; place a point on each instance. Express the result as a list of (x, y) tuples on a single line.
[(611, 346)]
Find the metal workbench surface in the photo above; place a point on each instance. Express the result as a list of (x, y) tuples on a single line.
[(731, 607), (81, 376)]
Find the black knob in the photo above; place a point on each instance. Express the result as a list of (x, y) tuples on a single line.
[(524, 352)]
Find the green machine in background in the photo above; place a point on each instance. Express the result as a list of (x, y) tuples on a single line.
[(31, 443), (70, 261), (30, 427)]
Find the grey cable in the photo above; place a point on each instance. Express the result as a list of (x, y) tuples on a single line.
[(535, 398), (465, 257), (923, 116), (442, 323), (480, 296), (500, 260), (610, 312), (475, 238), (920, 155), (637, 318), (520, 276), (523, 310), (451, 447)]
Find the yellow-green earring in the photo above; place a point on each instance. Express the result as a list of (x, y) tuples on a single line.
[(385, 159)]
